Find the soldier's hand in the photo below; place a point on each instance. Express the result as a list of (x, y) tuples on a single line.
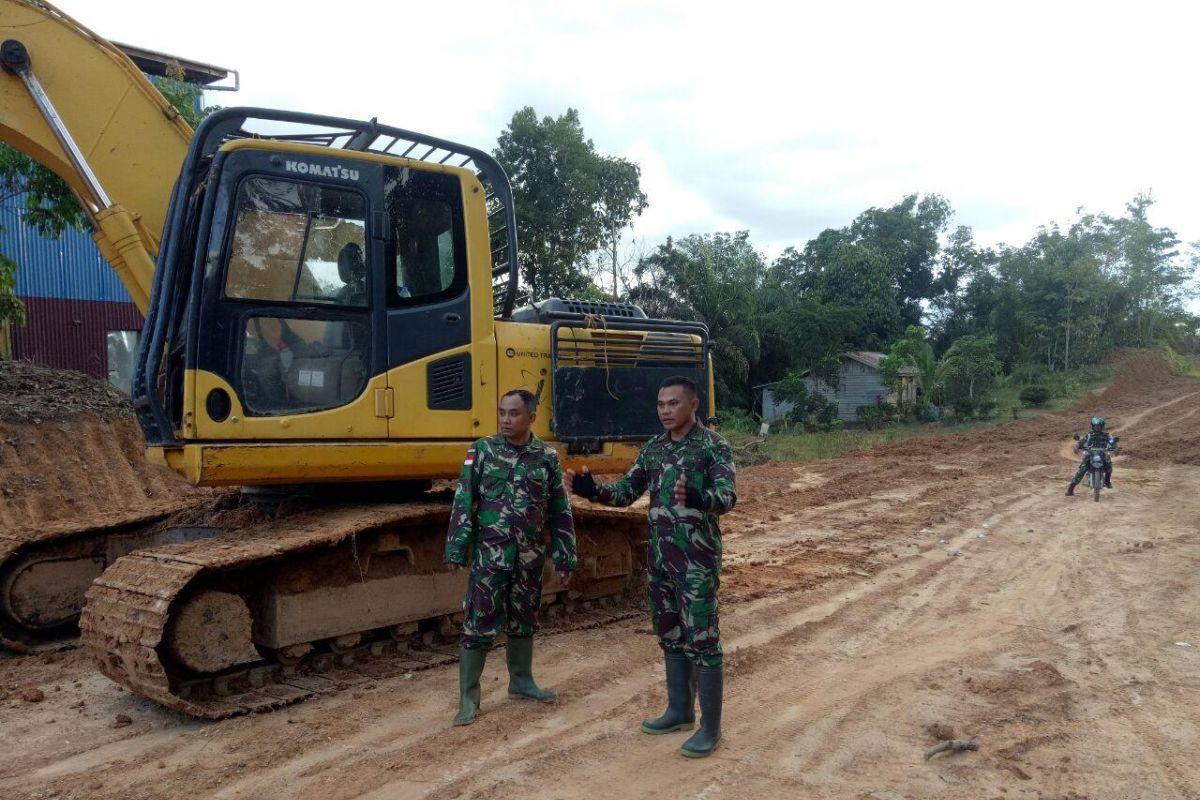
[(564, 576), (679, 493), (582, 484)]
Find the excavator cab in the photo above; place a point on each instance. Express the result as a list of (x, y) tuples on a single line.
[(311, 285)]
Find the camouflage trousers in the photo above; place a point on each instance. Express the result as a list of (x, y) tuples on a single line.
[(501, 600), (683, 609)]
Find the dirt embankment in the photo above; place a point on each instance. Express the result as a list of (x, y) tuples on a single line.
[(36, 394), (70, 449)]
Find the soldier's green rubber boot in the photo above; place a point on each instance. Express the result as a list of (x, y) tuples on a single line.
[(710, 683), (520, 671), (681, 698), (470, 668)]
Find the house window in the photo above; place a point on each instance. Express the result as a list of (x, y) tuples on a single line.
[(122, 355)]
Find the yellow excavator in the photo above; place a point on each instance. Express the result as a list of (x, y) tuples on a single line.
[(330, 312)]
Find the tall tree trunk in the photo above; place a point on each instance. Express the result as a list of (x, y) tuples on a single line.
[(1067, 349), (616, 288)]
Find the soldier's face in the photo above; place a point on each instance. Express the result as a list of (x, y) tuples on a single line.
[(676, 407), (514, 418)]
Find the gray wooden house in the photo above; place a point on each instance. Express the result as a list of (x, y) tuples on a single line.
[(860, 384)]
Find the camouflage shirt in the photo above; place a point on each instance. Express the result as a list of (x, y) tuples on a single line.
[(500, 507), (681, 538), (1097, 439)]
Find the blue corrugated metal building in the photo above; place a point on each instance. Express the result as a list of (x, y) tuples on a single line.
[(69, 267)]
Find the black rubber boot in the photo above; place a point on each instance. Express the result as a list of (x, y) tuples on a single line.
[(1108, 480), (681, 698), (710, 684), (1070, 489), (470, 668), (520, 671)]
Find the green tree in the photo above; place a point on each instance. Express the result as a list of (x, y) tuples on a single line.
[(1147, 262), (970, 366), (711, 278), (912, 350), (570, 200), (809, 409), (621, 199), (906, 236), (858, 276)]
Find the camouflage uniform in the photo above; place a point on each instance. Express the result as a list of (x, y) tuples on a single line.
[(497, 521), (1092, 440), (683, 560)]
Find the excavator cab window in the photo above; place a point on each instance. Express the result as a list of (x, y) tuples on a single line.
[(301, 245), (295, 242), (425, 213)]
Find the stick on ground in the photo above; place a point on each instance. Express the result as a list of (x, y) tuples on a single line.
[(953, 745)]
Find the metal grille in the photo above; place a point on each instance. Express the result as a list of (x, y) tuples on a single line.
[(596, 347), (448, 387)]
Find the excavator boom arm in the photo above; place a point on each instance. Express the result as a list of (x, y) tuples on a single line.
[(129, 141)]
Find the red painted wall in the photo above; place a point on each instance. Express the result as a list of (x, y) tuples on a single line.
[(72, 334)]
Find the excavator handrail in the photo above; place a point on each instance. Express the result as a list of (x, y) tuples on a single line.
[(348, 134)]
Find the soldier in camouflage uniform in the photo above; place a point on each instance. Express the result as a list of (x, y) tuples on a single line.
[(508, 484), (689, 473), (1094, 438)]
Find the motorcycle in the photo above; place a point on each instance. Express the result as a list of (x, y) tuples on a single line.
[(1097, 460)]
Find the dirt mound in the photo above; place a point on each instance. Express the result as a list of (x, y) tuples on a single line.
[(79, 468), (31, 393), (1138, 372)]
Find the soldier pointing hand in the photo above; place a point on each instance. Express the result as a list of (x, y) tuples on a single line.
[(689, 473)]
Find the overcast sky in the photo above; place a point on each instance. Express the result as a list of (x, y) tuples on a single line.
[(779, 118)]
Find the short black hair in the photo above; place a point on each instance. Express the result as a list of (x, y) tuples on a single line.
[(527, 397), (679, 380)]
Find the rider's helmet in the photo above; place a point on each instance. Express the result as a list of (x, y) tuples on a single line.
[(1098, 424)]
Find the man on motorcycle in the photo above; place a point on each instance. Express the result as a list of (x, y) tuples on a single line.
[(1095, 438)]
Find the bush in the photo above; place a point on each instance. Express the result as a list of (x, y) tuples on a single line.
[(1035, 395), (918, 411), (737, 419), (810, 410), (964, 407), (985, 407), (871, 417)]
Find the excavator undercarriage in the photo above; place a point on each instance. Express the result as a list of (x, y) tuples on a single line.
[(258, 618)]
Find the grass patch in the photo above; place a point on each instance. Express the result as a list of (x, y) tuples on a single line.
[(1180, 365), (800, 447), (797, 446)]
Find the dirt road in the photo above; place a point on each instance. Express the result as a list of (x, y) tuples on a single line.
[(938, 581)]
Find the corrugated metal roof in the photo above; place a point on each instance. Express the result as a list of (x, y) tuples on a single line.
[(72, 334), (867, 357), (67, 268)]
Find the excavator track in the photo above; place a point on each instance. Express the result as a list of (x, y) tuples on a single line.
[(46, 569), (255, 619)]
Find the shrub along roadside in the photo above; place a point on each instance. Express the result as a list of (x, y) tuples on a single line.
[(793, 445)]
